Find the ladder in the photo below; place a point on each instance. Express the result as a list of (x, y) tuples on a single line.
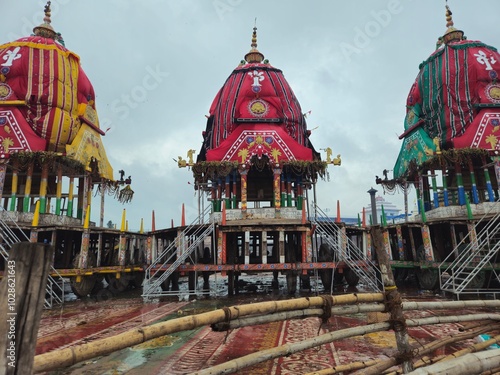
[(54, 291), (472, 255), (165, 265), (347, 250)]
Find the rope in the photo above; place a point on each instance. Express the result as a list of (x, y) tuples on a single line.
[(327, 310)]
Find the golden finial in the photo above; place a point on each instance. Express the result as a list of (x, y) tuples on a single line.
[(449, 18), (451, 34), (45, 29), (254, 56)]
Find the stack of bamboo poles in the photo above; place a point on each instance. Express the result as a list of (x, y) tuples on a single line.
[(271, 311)]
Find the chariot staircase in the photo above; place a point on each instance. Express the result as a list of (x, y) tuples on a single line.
[(182, 249), (346, 251), (472, 271), (54, 291)]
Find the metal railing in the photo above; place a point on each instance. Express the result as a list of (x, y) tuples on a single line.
[(472, 255), (347, 250), (54, 290), (165, 264)]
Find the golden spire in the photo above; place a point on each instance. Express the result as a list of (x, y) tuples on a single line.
[(451, 34), (45, 29), (254, 56)]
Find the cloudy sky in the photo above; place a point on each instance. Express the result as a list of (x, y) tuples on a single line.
[(156, 66)]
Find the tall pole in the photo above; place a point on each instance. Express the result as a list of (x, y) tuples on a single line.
[(373, 203), (405, 189)]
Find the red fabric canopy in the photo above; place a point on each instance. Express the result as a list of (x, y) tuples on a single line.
[(248, 140), (16, 134), (257, 96)]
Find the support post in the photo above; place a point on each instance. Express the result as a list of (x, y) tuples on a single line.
[(27, 188), (15, 180), (43, 188), (243, 174), (276, 188), (23, 293), (475, 195), (446, 197), (393, 305), (69, 212), (489, 187), (460, 184), (59, 190), (3, 170)]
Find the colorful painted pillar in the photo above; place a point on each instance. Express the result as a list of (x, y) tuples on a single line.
[(460, 184), (235, 190), (43, 188), (227, 192), (15, 181), (401, 249), (475, 195), (59, 190), (88, 193), (34, 223), (71, 187), (244, 175), (446, 198), (221, 249), (387, 243), (283, 190), (149, 249), (122, 244), (288, 190), (276, 188), (426, 239), (435, 195), (3, 171), (219, 195), (27, 188), (299, 193), (84, 248), (309, 251), (489, 187), (367, 248)]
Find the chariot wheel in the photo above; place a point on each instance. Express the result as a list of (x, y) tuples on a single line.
[(84, 287), (351, 277), (86, 284), (428, 278)]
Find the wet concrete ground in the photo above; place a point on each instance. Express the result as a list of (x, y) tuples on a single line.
[(85, 320)]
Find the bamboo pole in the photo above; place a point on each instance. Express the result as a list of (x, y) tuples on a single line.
[(419, 351), (70, 356), (264, 355), (355, 309), (474, 348), (288, 349), (470, 364), (393, 300), (450, 339)]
